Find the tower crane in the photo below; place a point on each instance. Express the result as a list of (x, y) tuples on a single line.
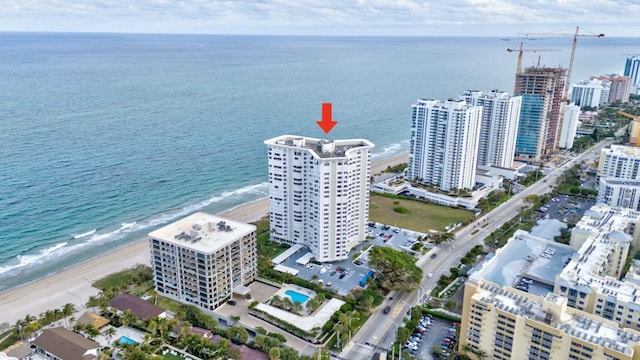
[(573, 53), (521, 50), (565, 95)]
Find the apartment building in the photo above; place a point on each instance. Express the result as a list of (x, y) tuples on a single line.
[(509, 311), (539, 128), (505, 323), (632, 70), (593, 93), (569, 126), (619, 86), (201, 259), (443, 147), (498, 127), (619, 161), (319, 193), (620, 192)]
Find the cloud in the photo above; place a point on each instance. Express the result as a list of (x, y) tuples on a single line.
[(470, 17)]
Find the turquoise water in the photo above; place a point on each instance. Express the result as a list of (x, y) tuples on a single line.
[(296, 296), (106, 137), (126, 340)]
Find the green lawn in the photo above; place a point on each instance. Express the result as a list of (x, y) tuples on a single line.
[(169, 356), (420, 216)]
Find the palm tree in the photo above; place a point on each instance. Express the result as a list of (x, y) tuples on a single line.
[(129, 318), (67, 310), (110, 333), (92, 331)]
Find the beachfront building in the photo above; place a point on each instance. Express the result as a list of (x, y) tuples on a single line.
[(202, 259), (569, 126), (319, 193), (593, 93), (632, 70), (498, 127), (541, 89), (619, 86), (443, 147)]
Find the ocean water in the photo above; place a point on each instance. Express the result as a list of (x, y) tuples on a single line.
[(105, 137)]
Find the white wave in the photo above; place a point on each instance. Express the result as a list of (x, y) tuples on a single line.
[(391, 150), (80, 236), (41, 256), (127, 225), (93, 237)]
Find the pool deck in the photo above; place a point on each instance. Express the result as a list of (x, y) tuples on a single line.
[(285, 287), (307, 323)]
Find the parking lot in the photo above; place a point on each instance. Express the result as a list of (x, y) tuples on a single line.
[(566, 208), (345, 275), (400, 239), (434, 333)]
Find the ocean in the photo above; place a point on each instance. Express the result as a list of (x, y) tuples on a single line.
[(105, 137)]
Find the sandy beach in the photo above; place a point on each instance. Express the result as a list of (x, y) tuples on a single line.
[(73, 285)]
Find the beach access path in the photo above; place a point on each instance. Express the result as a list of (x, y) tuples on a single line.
[(73, 285)]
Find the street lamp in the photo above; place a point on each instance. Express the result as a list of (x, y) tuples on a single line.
[(406, 303)]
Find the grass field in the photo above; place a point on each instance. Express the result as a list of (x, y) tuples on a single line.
[(419, 216)]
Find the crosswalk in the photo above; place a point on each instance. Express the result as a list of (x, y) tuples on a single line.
[(361, 352)]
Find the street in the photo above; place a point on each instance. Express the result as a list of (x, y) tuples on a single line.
[(379, 331)]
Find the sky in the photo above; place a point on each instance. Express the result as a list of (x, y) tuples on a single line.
[(325, 17)]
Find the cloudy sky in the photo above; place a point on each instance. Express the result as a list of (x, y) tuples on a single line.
[(324, 17)]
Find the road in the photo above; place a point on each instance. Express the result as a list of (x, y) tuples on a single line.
[(379, 331)]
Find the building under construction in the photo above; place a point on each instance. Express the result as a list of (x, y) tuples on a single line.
[(541, 89)]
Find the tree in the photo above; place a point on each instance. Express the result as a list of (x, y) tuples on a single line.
[(235, 354), (238, 333), (67, 310), (129, 318), (110, 333), (274, 353), (396, 269), (402, 335), (91, 330)]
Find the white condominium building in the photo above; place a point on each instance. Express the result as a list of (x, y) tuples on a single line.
[(620, 192), (593, 93), (498, 128), (620, 161), (202, 258), (444, 143), (569, 126), (319, 193)]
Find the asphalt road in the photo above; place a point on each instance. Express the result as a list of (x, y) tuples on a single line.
[(379, 331)]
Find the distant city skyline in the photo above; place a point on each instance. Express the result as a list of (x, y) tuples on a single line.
[(331, 17)]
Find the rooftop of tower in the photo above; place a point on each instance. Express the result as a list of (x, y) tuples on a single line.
[(321, 148), (202, 232), (553, 311)]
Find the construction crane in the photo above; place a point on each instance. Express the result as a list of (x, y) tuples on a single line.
[(573, 54), (634, 133), (521, 50), (565, 95)]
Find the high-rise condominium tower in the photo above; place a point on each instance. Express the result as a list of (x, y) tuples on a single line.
[(539, 128), (499, 126), (319, 193), (444, 143)]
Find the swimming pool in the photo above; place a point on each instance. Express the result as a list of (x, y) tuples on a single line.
[(126, 340), (296, 296)]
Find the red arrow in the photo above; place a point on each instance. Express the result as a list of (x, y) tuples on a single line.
[(326, 124)]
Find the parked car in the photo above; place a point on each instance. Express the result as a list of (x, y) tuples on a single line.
[(231, 302)]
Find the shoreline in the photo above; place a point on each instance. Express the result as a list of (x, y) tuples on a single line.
[(73, 284)]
